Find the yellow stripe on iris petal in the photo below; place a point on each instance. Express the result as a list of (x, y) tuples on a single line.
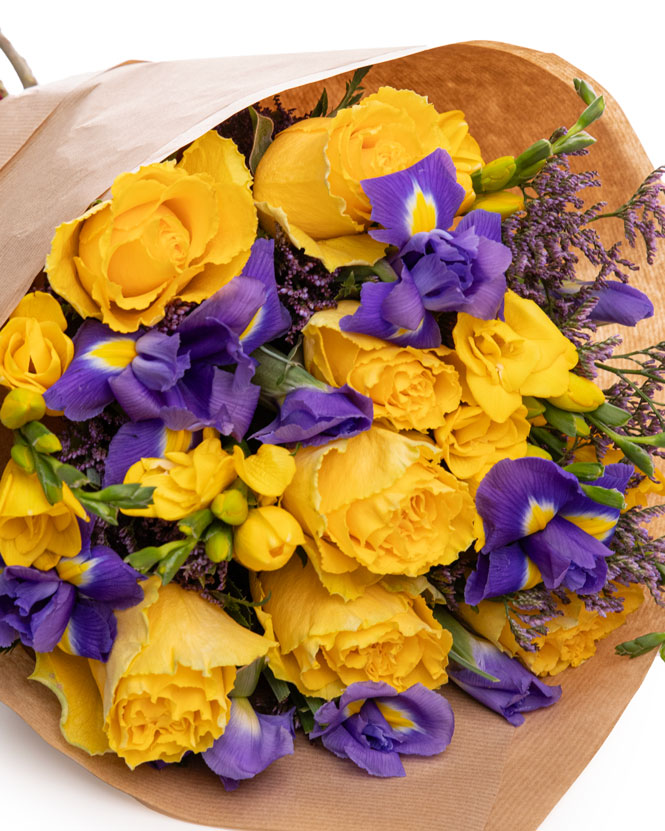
[(395, 718), (116, 354), (252, 323), (354, 707), (423, 212), (533, 575), (537, 517), (73, 571), (595, 525)]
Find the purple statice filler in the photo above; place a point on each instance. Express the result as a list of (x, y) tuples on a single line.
[(372, 724)]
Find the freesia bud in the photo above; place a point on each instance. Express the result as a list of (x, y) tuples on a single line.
[(267, 538), (219, 545), (495, 175), (23, 457), (503, 202), (582, 395), (21, 406), (231, 507)]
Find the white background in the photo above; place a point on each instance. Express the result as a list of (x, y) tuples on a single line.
[(620, 45)]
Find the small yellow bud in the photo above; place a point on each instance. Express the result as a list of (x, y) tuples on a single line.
[(231, 507), (533, 451), (497, 173), (23, 457), (503, 202), (582, 396), (267, 539), (21, 406), (219, 546)]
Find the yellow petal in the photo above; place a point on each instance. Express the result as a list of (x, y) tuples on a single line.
[(268, 472), (70, 679)]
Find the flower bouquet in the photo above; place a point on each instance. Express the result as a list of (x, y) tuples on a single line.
[(329, 432)]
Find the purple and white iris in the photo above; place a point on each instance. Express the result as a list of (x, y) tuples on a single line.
[(250, 742), (312, 416), (536, 514), (71, 605), (178, 378), (439, 270), (372, 724)]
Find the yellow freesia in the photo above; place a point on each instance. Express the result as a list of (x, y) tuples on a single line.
[(502, 360), (267, 538), (164, 690), (32, 531), (268, 471), (308, 180), (34, 349), (184, 482), (327, 643), (570, 639), (582, 395), (411, 388), (169, 231)]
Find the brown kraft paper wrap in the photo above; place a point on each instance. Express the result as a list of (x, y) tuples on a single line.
[(61, 147)]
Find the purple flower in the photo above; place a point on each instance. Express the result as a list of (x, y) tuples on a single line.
[(71, 605), (372, 724), (536, 515), (141, 440), (250, 742), (516, 690), (620, 303), (178, 378), (316, 416), (438, 270)]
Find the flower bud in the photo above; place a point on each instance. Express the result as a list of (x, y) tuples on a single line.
[(503, 202), (40, 438), (23, 457), (582, 396), (267, 538), (219, 545), (230, 506), (21, 406), (495, 175)]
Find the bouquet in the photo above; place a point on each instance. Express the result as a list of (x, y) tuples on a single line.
[(318, 417)]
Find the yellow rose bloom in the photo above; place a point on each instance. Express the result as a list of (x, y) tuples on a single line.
[(570, 639), (267, 539), (169, 230), (164, 690), (183, 482), (380, 500), (502, 360), (472, 442), (327, 643), (34, 349), (32, 531), (309, 177), (411, 388), (582, 395)]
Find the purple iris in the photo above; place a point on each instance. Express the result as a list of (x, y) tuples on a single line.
[(438, 270), (372, 724), (73, 603), (316, 416), (250, 742), (178, 378), (515, 691), (134, 441), (535, 513)]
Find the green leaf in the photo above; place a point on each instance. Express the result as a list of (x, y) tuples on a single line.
[(195, 524), (69, 474), (321, 108), (642, 645), (100, 509), (461, 651), (353, 91), (146, 558), (127, 497), (553, 443), (281, 689), (611, 415), (48, 480), (40, 438), (534, 407), (604, 496), (169, 566), (263, 129), (247, 678)]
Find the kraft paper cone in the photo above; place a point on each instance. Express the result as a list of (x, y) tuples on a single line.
[(63, 150)]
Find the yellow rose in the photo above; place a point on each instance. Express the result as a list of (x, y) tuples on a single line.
[(326, 643), (503, 360), (164, 690), (183, 482), (309, 178), (570, 639), (32, 531), (471, 442), (34, 349), (267, 538), (170, 230), (582, 395), (381, 501), (411, 388)]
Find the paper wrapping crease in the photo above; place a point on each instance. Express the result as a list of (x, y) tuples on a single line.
[(61, 147)]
